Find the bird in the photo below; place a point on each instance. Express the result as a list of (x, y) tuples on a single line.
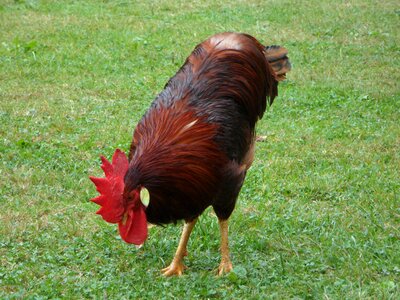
[(194, 145)]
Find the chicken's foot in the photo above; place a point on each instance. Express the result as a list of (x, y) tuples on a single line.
[(176, 267), (226, 265)]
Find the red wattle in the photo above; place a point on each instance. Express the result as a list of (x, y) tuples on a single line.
[(134, 231)]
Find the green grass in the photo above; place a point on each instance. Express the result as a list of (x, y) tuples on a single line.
[(319, 214)]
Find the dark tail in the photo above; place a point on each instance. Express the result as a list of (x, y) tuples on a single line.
[(278, 60)]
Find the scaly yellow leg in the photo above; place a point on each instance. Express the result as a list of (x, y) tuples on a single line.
[(226, 265), (176, 267)]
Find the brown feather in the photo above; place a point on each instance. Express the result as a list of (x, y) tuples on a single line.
[(194, 145), (278, 60), (177, 160)]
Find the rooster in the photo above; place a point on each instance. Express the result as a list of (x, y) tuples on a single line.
[(194, 145)]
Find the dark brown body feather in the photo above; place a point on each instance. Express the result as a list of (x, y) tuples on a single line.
[(194, 145)]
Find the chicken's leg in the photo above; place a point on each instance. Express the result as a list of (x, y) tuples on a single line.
[(226, 265), (176, 267)]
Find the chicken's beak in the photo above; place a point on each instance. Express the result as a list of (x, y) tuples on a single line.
[(124, 218)]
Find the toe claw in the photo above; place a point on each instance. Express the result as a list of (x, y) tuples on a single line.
[(174, 269), (224, 268)]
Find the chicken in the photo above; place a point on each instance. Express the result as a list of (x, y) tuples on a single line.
[(194, 145)]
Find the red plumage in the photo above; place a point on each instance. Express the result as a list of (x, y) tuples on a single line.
[(194, 145)]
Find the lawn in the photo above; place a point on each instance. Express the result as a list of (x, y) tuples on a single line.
[(319, 214)]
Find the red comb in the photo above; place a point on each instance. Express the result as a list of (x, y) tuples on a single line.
[(111, 187)]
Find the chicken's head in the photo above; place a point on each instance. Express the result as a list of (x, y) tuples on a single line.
[(119, 206)]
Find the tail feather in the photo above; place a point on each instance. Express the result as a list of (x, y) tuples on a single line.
[(278, 60)]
